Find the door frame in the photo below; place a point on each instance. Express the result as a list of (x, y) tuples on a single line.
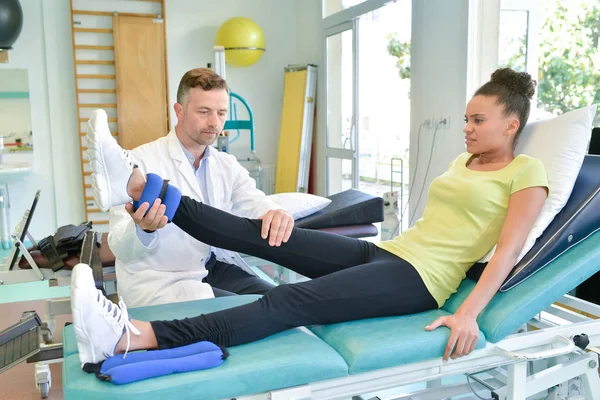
[(336, 23), (322, 135)]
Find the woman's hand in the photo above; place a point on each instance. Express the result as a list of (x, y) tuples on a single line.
[(464, 333)]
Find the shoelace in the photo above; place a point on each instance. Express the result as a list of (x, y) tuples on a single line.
[(118, 314), (128, 324), (126, 154)]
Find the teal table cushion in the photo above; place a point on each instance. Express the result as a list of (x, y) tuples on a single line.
[(377, 343), (507, 311), (296, 357), (290, 358)]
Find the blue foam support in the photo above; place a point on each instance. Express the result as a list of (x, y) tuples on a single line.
[(152, 190), (177, 352), (149, 364), (154, 186), (150, 369), (171, 200)]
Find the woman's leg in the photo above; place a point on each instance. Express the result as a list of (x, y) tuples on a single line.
[(116, 181), (309, 252), (384, 287), (387, 286)]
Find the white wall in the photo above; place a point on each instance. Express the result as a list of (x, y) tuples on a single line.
[(290, 29), (310, 42), (438, 88)]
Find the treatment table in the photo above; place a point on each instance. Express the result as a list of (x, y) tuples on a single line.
[(532, 337)]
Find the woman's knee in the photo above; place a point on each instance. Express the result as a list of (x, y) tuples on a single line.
[(282, 296), (278, 292), (289, 306)]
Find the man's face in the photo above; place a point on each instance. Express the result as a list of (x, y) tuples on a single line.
[(204, 115)]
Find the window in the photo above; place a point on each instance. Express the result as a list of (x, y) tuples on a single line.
[(512, 46), (331, 7), (558, 44)]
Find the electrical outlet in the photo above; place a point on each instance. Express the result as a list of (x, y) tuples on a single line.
[(442, 122), (428, 122)]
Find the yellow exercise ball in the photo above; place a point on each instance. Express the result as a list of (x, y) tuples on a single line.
[(243, 40)]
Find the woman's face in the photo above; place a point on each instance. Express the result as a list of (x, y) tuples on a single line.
[(487, 129)]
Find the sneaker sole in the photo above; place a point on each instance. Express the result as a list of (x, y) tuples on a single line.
[(104, 204), (82, 271)]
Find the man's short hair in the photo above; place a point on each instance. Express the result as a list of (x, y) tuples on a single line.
[(205, 78)]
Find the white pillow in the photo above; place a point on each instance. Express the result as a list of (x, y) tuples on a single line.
[(300, 205), (561, 144)]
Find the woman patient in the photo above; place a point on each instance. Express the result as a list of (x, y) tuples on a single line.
[(486, 197)]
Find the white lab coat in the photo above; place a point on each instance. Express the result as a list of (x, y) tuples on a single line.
[(171, 268)]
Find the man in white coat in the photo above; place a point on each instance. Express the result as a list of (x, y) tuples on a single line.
[(158, 263)]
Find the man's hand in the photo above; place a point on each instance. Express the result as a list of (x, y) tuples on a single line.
[(464, 333), (153, 220), (277, 226)]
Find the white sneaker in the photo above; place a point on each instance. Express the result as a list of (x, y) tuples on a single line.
[(99, 324), (110, 164)]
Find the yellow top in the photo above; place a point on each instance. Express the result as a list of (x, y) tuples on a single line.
[(462, 220)]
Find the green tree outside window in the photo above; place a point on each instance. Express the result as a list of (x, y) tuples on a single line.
[(569, 56)]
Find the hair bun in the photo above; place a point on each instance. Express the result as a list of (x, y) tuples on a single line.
[(519, 82)]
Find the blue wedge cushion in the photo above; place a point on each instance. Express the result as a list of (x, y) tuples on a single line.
[(377, 343), (289, 358), (577, 220), (507, 311)]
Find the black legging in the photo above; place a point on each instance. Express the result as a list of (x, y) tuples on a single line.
[(229, 279), (351, 279)]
